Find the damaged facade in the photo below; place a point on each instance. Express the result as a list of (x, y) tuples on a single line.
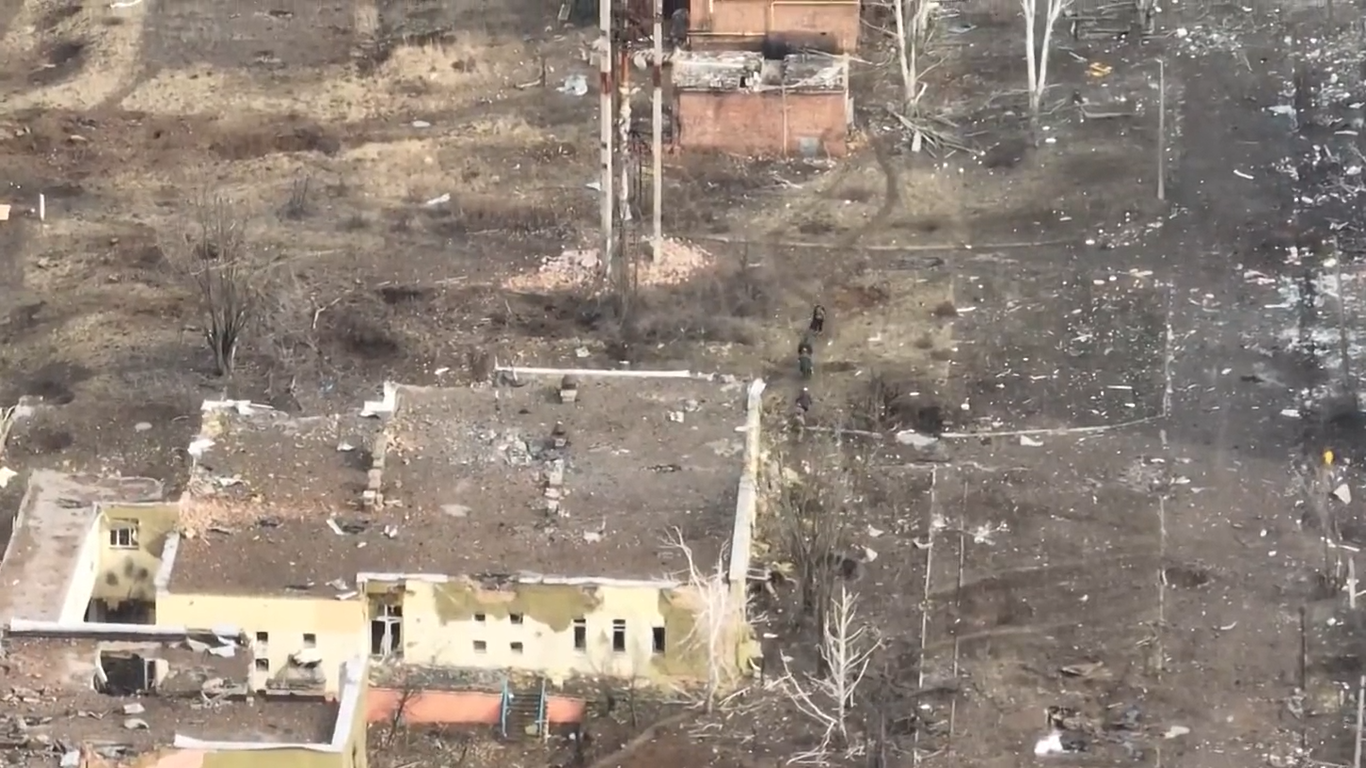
[(766, 77), (825, 25), (743, 103), (531, 528), (95, 694)]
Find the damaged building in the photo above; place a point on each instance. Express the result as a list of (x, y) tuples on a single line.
[(89, 695), (831, 26), (506, 528), (766, 77), (556, 526), (743, 103)]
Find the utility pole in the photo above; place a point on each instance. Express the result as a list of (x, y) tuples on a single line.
[(1161, 129), (606, 60), (625, 257), (657, 137)]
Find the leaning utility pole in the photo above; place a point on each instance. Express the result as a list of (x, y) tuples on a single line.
[(657, 137), (606, 61)]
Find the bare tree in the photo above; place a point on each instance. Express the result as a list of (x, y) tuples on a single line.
[(912, 19), (6, 424), (215, 258), (715, 621), (846, 648), (811, 530), (1036, 54)]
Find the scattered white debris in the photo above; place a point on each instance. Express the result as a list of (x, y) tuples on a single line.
[(133, 709), (344, 446), (1343, 494), (441, 371), (332, 523), (391, 531), (6, 475), (142, 426), (438, 200), (592, 537), (1290, 413), (581, 267), (915, 439), (456, 510), (1176, 730), (869, 554), (581, 352), (1242, 175), (574, 85), (1049, 745), (307, 657), (1026, 440), (676, 417), (198, 446), (983, 533), (873, 533), (421, 124)]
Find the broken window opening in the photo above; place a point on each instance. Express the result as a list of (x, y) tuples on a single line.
[(386, 630), (580, 634), (480, 646), (262, 665), (310, 640), (657, 639), (479, 617), (125, 674), (102, 611), (123, 534), (619, 635), (517, 647), (515, 618)]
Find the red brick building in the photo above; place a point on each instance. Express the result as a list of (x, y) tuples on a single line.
[(828, 25), (738, 102)]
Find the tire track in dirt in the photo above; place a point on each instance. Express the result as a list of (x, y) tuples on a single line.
[(102, 44)]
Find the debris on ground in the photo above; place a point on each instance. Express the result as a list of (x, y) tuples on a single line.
[(580, 268)]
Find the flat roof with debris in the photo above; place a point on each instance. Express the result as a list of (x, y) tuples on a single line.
[(749, 71), (474, 481), (50, 528), (51, 704)]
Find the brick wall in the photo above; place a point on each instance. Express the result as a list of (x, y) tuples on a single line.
[(828, 24), (753, 124)]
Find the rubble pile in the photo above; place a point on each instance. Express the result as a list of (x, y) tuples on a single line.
[(580, 268)]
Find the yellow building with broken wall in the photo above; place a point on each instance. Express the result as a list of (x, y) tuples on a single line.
[(452, 479)]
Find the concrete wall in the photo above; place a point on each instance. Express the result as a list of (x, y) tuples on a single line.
[(455, 623), (768, 123), (130, 574), (85, 570), (747, 497), (338, 627), (831, 25)]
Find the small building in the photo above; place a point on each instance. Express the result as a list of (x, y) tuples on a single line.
[(741, 103), (825, 25)]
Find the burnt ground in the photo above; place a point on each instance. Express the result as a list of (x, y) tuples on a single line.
[(1168, 550)]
